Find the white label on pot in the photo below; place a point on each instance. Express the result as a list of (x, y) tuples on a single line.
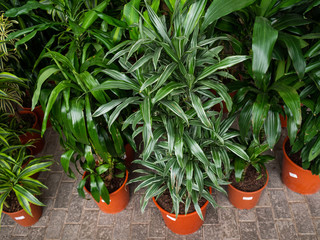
[(247, 198), (172, 218), (19, 218), (293, 175)]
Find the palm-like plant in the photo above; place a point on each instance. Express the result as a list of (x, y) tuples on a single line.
[(186, 144), (15, 180), (278, 31)]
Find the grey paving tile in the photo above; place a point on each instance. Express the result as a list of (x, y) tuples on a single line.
[(196, 235), (286, 230), (90, 203), (222, 199), (247, 215), (212, 216), (37, 233), (264, 214), (55, 224), (157, 226), (274, 174), (6, 233), (17, 238), (70, 232), (267, 230), (6, 220), (105, 233), (308, 237), (139, 231), (88, 228), (52, 182), (293, 196), (314, 204), (56, 166), (302, 218), (106, 219), (75, 209), (227, 227), (122, 225), (279, 203), (316, 222), (137, 215), (19, 231), (264, 199), (248, 230), (173, 236), (63, 195)]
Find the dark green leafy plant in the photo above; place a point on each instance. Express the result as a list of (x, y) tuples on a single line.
[(15, 179)]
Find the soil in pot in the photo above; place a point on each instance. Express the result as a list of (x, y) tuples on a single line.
[(28, 120), (13, 203), (166, 203), (251, 181), (112, 185), (295, 157)]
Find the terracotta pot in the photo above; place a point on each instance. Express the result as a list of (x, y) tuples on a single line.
[(129, 155), (40, 114), (283, 121), (118, 199), (245, 200), (296, 178), (24, 219), (39, 142), (183, 224)]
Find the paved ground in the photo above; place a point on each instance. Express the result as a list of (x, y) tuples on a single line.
[(280, 214)]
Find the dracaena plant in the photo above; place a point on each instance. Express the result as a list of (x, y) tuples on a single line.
[(256, 158), (171, 72), (15, 180), (278, 34)]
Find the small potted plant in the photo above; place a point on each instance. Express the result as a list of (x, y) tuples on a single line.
[(249, 178), (17, 187)]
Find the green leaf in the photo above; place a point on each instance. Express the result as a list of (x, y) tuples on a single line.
[(176, 109), (239, 166), (233, 147), (263, 40), (105, 108), (197, 105), (112, 21), (29, 6), (272, 127), (143, 60), (195, 149), (193, 16), (120, 107), (91, 16), (295, 53), (244, 119), (223, 64), (220, 8), (166, 90), (259, 113), (315, 150), (65, 162), (25, 39)]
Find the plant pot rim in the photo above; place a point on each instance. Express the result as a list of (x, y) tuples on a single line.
[(113, 193), (29, 109), (289, 159), (181, 215), (33, 114), (257, 191)]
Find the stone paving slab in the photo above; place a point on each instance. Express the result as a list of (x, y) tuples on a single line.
[(280, 213)]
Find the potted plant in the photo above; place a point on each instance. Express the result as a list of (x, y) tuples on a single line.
[(76, 69), (17, 187), (186, 144), (249, 178)]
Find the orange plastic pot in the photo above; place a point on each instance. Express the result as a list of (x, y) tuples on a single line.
[(25, 138), (23, 218), (183, 224), (245, 200), (296, 178), (118, 199)]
